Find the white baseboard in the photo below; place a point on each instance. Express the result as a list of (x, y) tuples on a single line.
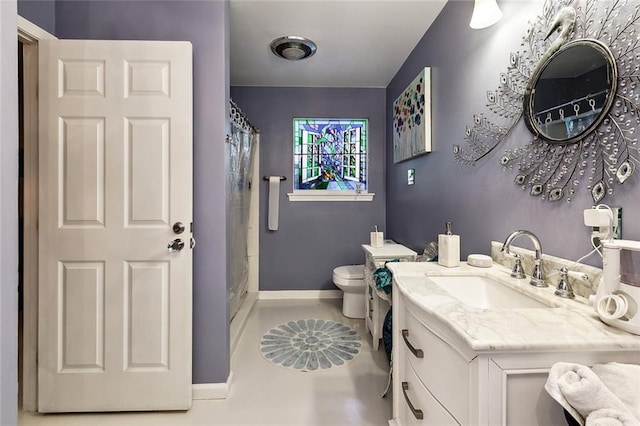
[(202, 391), (300, 294)]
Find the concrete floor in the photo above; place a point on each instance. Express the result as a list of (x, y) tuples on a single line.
[(263, 393)]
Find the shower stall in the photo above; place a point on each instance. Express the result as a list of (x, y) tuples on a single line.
[(242, 247)]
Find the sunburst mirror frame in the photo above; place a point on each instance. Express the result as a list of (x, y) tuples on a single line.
[(609, 153)]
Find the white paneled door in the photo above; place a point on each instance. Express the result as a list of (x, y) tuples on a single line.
[(115, 179)]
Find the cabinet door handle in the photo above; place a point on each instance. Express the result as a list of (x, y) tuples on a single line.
[(416, 352), (416, 413)]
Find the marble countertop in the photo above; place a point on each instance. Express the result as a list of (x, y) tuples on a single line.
[(568, 325), (389, 250)]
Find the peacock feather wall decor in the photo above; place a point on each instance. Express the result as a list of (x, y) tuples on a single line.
[(576, 85)]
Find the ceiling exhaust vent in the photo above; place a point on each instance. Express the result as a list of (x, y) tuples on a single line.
[(293, 48)]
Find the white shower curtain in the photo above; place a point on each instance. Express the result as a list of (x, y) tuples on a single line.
[(240, 152)]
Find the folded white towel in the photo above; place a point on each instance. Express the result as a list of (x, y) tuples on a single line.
[(610, 417), (580, 391), (624, 381), (274, 202)]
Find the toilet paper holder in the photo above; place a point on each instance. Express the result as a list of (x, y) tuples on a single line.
[(281, 178)]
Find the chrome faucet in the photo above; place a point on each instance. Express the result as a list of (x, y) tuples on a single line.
[(537, 277)]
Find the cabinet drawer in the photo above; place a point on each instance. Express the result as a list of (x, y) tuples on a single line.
[(413, 392), (442, 369)]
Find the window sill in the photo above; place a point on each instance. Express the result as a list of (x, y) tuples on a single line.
[(324, 195)]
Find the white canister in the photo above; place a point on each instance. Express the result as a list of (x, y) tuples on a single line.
[(377, 239)]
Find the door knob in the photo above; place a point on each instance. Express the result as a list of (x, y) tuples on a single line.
[(178, 227), (175, 245)]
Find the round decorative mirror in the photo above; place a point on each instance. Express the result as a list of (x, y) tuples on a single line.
[(572, 92), (575, 84)]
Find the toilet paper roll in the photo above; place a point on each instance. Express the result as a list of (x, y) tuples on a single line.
[(274, 202)]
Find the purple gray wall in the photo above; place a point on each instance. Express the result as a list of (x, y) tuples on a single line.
[(313, 237), (8, 213), (203, 23), (40, 12), (482, 201)]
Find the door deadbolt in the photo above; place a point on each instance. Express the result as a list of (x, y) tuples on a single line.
[(178, 227), (175, 245)]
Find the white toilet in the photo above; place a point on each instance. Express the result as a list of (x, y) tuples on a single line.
[(350, 279)]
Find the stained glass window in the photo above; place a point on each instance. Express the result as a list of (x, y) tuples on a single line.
[(330, 154)]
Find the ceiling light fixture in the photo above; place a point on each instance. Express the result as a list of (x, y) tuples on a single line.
[(293, 48), (485, 14)]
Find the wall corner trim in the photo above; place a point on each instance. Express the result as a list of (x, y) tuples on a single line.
[(203, 391)]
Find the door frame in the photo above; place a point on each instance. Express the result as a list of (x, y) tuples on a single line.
[(30, 34)]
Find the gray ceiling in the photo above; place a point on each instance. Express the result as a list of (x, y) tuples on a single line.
[(361, 43)]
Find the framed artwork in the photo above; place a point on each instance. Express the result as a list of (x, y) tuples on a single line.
[(412, 119), (330, 154)]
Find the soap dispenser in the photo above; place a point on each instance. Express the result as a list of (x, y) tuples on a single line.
[(448, 248)]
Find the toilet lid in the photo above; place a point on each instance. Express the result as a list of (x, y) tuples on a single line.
[(350, 272)]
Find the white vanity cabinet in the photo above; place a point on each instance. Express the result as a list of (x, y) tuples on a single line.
[(438, 370), (439, 380), (377, 303)]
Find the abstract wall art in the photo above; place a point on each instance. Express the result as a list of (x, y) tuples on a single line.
[(412, 119)]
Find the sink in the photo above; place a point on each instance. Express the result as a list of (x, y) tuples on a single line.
[(485, 293)]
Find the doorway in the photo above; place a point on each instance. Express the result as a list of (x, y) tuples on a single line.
[(58, 337), (28, 37)]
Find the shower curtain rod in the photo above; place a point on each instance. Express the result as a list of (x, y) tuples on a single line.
[(237, 117)]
